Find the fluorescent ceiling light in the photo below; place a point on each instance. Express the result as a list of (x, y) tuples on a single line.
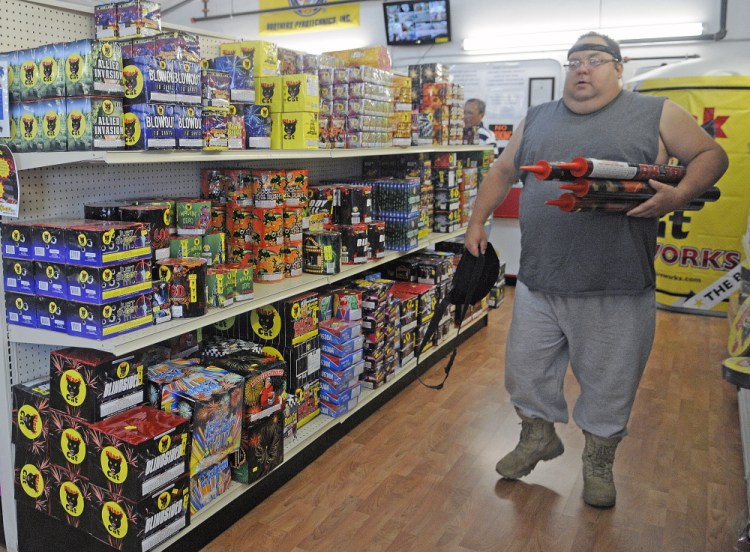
[(562, 40)]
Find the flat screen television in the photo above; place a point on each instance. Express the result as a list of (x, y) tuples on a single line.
[(410, 22)]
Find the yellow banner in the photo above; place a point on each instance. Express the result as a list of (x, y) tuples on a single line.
[(699, 252), (310, 15)]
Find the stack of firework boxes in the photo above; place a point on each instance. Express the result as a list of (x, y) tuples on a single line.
[(455, 183), (86, 278), (90, 454), (438, 106), (65, 97), (212, 399), (287, 97)]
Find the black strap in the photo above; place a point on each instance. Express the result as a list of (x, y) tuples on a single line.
[(460, 315)]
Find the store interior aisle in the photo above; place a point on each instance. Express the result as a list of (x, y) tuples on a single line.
[(419, 474)]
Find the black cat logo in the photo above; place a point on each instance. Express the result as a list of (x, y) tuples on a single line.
[(74, 387), (164, 500), (75, 123), (74, 447), (71, 500), (293, 88), (74, 66), (47, 71), (114, 463), (267, 89), (130, 77), (28, 71), (115, 520), (29, 421), (28, 126), (51, 124), (265, 320), (129, 124), (290, 127), (31, 480)]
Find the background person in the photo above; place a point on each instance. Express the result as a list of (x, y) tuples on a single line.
[(585, 287), (474, 110)]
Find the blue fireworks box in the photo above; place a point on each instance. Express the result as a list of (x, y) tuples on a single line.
[(209, 485), (240, 70), (258, 126)]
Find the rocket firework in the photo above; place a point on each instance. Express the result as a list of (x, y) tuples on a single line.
[(548, 170), (625, 189), (609, 204), (598, 168)]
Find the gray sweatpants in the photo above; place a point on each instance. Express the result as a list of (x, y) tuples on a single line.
[(606, 339)]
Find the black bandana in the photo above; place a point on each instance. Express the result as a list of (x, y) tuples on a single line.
[(596, 47)]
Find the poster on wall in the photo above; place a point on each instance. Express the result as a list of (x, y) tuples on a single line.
[(699, 252), (10, 189), (310, 15)]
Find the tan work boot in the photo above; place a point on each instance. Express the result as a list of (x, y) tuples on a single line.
[(598, 483), (538, 442)]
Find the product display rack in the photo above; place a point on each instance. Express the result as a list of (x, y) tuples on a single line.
[(58, 184)]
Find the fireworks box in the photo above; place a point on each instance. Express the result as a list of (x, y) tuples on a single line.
[(94, 123), (355, 205), (287, 322), (215, 131), (149, 126), (188, 126), (347, 304), (188, 81), (336, 410), (342, 379), (51, 70), (258, 126), (290, 419), (49, 239), (50, 279), (447, 199), (268, 92), (338, 396), (52, 132), (215, 88), (52, 313), (92, 68), (265, 55), (28, 74), (427, 298), (300, 93), (262, 449), (32, 484), (138, 18), (102, 243), (342, 349), (163, 379), (308, 401), (240, 70), (446, 221), (31, 418), (100, 321), (435, 270), (69, 497), (235, 128), (179, 45), (303, 367), (125, 524), (265, 383), (11, 59), (299, 130), (17, 240), (138, 451), (217, 347), (21, 309), (92, 385), (19, 275), (409, 310), (341, 363), (183, 246), (210, 484), (148, 79), (212, 399)]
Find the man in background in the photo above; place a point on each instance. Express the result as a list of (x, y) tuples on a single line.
[(473, 114)]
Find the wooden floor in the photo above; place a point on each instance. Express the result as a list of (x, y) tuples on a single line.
[(419, 474)]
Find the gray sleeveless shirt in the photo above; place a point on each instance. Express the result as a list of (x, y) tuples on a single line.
[(587, 253)]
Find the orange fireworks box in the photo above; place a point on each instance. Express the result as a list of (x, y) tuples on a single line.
[(124, 524), (138, 451), (92, 385)]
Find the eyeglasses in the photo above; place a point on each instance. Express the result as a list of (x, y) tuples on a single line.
[(593, 62)]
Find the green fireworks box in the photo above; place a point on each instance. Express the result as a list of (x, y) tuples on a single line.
[(262, 449), (92, 385), (138, 451), (93, 67), (94, 123), (31, 417), (125, 524)]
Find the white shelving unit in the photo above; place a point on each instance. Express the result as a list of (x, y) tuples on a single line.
[(58, 184)]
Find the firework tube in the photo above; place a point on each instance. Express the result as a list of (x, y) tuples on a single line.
[(606, 204), (599, 168), (546, 170), (627, 189)]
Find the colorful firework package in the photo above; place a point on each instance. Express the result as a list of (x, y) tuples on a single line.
[(128, 525), (96, 321), (287, 322), (99, 285), (188, 126), (292, 260), (264, 54), (94, 123), (293, 222), (268, 226), (243, 287), (269, 263), (216, 87), (239, 186), (355, 245), (269, 188), (209, 485), (69, 497), (157, 217), (235, 129), (149, 126), (93, 67), (240, 70), (258, 126), (193, 216), (321, 252), (220, 288), (30, 418), (148, 79), (262, 449), (19, 275), (215, 129), (163, 381), (92, 385), (187, 285), (295, 189), (185, 247), (138, 451)]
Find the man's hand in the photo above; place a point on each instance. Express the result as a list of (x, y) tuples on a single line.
[(666, 199), (475, 239)]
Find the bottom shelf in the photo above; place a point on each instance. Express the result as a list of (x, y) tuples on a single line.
[(40, 533)]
